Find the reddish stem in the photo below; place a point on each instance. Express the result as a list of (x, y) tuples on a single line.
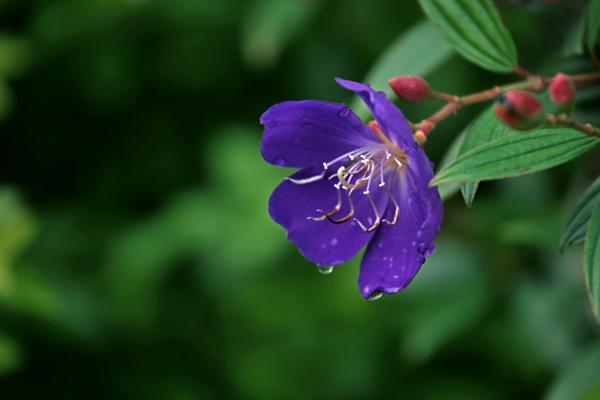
[(533, 83)]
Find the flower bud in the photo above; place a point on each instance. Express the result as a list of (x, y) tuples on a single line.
[(420, 137), (562, 91), (410, 88), (519, 110)]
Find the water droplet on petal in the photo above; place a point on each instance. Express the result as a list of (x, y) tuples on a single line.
[(344, 112), (325, 270), (375, 296), (280, 161)]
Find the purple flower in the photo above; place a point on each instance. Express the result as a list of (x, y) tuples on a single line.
[(357, 185)]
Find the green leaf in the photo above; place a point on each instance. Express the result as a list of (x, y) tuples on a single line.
[(593, 23), (482, 130), (591, 261), (448, 190), (474, 28), (580, 216), (579, 380), (515, 155), (407, 56)]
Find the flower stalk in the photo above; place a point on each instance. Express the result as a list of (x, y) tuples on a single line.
[(567, 120), (532, 83)]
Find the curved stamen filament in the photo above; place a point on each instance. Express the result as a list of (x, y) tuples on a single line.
[(308, 180), (377, 217), (336, 208), (347, 183), (348, 216), (396, 211), (357, 169)]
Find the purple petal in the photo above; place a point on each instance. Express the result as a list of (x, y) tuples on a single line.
[(310, 132), (396, 252), (322, 242), (390, 118)]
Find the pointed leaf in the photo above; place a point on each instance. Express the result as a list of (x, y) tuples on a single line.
[(593, 23), (448, 190), (483, 129), (474, 28), (580, 216), (515, 155), (591, 261), (407, 56)]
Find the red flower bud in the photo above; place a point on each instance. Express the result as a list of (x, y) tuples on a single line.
[(410, 88), (562, 90), (519, 110)]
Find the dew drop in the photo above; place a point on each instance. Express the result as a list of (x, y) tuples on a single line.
[(344, 112), (280, 161), (375, 296), (325, 270)]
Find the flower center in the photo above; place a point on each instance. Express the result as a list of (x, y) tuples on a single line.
[(362, 170)]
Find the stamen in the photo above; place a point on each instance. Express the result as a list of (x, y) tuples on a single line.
[(307, 180), (377, 218), (366, 164), (381, 183), (396, 212), (336, 208), (348, 216), (370, 177)]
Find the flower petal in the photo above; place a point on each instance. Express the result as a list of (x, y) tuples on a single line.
[(390, 118), (310, 132), (396, 252), (322, 242)]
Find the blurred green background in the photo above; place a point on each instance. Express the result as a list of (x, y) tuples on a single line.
[(137, 258)]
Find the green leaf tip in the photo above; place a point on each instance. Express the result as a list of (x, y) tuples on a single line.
[(475, 30)]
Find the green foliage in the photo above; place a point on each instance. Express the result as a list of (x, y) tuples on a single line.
[(591, 261), (474, 28), (270, 25), (10, 355), (137, 256), (593, 23), (449, 189), (579, 380), (407, 56), (454, 297), (485, 128), (17, 228), (516, 155), (577, 225)]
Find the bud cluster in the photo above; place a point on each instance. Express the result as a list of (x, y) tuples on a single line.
[(516, 109)]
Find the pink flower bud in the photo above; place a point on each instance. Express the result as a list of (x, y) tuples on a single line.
[(420, 137), (562, 90), (519, 110), (410, 88)]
